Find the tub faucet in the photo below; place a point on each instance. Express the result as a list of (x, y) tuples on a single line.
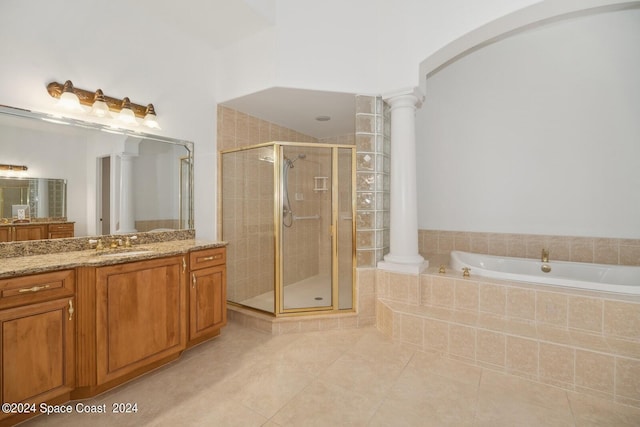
[(545, 255)]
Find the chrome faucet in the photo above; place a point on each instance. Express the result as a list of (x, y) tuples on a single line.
[(545, 255)]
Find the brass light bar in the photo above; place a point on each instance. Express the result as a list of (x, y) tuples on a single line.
[(13, 168), (88, 97)]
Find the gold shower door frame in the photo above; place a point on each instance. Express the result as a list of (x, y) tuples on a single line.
[(278, 159)]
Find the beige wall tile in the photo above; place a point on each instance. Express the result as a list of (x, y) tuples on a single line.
[(412, 329), (425, 289), (628, 378), (490, 347), (445, 242), (629, 254), (582, 249), (624, 347), (606, 251), (557, 362), (461, 241), (479, 243), (443, 291), (522, 355), (399, 287), (585, 313), (466, 295), (622, 319), (497, 245), (559, 248), (436, 335), (462, 341), (594, 371), (492, 298), (521, 303), (551, 308)]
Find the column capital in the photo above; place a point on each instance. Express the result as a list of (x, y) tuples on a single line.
[(407, 97)]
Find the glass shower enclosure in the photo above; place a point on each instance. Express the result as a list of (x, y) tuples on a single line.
[(287, 215)]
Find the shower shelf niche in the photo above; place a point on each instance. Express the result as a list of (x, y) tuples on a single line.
[(320, 183)]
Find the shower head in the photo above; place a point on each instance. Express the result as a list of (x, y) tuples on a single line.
[(290, 162)]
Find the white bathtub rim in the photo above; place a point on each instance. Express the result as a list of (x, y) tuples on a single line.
[(557, 283)]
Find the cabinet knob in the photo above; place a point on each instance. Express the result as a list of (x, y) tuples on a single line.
[(193, 280), (71, 310)]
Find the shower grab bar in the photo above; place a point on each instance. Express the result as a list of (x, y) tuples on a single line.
[(297, 218)]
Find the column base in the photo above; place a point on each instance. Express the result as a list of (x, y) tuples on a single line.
[(407, 268)]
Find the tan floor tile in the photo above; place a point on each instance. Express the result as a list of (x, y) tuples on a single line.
[(428, 400), (591, 411), (323, 404), (361, 375), (353, 377), (534, 393), (425, 363)]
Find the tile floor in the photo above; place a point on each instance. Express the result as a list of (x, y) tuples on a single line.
[(352, 377)]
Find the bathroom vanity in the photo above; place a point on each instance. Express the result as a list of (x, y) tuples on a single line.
[(19, 232), (77, 324)]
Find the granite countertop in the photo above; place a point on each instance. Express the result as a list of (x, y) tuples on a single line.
[(32, 264), (18, 224)]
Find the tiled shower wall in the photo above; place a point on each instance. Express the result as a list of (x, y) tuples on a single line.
[(561, 248), (248, 215), (372, 180)]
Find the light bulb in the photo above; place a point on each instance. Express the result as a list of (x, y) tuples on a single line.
[(68, 99), (150, 118), (127, 116), (100, 107)]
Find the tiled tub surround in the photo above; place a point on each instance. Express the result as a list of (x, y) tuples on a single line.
[(584, 341), (597, 250)]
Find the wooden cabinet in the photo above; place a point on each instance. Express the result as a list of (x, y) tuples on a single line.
[(19, 233), (61, 230), (207, 294), (133, 319), (5, 234), (15, 233), (37, 340)]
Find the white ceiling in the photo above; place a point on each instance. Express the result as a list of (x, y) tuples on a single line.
[(219, 23), (298, 108)]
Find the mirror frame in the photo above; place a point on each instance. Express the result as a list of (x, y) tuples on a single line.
[(75, 122)]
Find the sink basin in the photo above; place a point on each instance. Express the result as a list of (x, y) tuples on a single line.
[(124, 253)]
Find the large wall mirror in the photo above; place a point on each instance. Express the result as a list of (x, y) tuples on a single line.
[(105, 180)]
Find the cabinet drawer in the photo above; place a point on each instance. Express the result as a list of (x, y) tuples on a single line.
[(207, 258), (61, 227), (22, 290)]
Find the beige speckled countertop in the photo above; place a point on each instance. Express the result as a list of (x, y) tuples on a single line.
[(18, 266)]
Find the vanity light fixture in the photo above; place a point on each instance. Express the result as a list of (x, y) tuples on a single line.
[(150, 118), (68, 99), (126, 114), (99, 107), (102, 104), (16, 168)]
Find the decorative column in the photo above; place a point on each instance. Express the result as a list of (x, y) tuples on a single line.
[(127, 216), (403, 256)]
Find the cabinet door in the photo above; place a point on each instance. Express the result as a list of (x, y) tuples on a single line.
[(140, 315), (208, 301), (37, 352), (5, 234), (29, 232)]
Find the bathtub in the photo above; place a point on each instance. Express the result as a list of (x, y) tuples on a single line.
[(600, 277)]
